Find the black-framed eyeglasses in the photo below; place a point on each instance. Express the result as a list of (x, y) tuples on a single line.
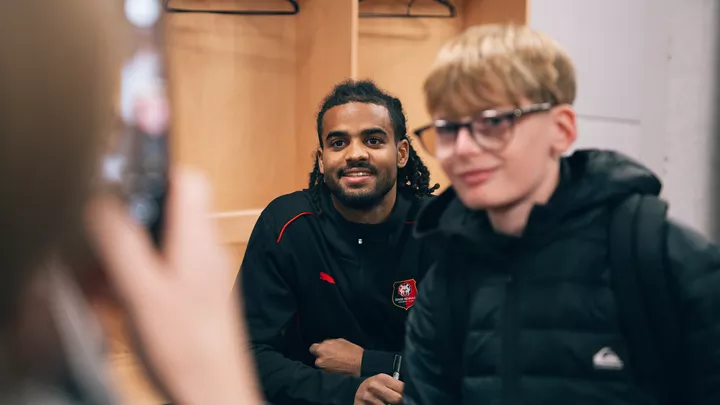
[(491, 129)]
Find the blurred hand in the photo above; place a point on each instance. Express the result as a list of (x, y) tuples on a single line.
[(338, 356), (379, 390), (179, 300)]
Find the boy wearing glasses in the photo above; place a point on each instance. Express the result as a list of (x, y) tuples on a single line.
[(525, 305)]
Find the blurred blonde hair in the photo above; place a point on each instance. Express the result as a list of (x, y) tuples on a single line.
[(58, 75), (488, 66)]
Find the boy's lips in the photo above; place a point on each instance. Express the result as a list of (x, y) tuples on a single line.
[(477, 176)]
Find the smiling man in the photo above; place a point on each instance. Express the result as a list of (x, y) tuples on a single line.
[(330, 272)]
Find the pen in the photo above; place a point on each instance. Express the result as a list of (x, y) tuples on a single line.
[(397, 362)]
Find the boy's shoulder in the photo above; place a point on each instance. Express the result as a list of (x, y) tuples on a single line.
[(690, 253)]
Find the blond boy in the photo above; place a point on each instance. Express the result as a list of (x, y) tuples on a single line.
[(521, 307)]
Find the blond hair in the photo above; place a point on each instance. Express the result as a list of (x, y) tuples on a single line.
[(492, 65)]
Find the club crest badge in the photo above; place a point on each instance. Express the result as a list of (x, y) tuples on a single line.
[(404, 293)]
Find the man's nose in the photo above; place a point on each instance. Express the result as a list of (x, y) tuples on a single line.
[(356, 151)]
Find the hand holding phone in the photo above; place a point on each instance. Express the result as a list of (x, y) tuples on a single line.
[(175, 296)]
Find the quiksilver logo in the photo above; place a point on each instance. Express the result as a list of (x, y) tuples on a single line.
[(607, 359)]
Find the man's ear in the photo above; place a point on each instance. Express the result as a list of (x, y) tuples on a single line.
[(565, 129), (403, 153), (318, 156)]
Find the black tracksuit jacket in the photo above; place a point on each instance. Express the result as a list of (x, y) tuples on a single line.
[(309, 275)]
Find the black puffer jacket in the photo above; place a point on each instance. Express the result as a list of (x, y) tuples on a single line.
[(540, 309)]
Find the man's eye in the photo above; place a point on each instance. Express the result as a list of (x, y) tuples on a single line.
[(337, 144), (374, 141)]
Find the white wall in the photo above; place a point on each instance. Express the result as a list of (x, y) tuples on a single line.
[(646, 87)]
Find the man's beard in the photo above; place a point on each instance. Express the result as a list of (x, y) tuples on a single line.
[(361, 200)]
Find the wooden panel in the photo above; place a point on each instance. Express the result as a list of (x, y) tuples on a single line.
[(326, 55), (233, 92), (128, 375), (397, 54), (237, 250), (495, 11), (236, 226)]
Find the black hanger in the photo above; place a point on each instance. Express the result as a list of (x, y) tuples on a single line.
[(451, 12), (293, 3)]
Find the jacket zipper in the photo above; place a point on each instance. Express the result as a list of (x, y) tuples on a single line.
[(510, 333)]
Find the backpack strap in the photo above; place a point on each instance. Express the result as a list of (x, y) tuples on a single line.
[(455, 322), (639, 278)]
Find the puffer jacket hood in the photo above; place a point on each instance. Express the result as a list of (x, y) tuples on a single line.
[(589, 178)]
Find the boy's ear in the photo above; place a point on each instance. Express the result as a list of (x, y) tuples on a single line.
[(566, 129)]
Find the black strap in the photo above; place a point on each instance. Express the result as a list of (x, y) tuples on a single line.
[(655, 277), (456, 322), (639, 278)]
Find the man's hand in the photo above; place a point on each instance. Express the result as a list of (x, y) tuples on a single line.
[(379, 390), (338, 356)]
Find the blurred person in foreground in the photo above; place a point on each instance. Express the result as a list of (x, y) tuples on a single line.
[(56, 103), (523, 306)]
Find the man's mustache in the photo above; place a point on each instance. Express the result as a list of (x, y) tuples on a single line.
[(360, 165)]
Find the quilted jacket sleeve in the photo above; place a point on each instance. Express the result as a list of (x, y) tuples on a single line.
[(695, 264)]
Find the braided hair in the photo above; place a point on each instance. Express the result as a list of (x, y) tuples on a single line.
[(414, 178)]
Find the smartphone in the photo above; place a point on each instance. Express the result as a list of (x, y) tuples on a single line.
[(136, 165)]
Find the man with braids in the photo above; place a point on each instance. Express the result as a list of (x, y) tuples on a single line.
[(331, 271)]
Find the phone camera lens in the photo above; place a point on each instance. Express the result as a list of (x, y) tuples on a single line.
[(144, 209)]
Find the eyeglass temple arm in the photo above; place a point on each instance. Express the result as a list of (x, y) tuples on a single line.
[(418, 132)]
